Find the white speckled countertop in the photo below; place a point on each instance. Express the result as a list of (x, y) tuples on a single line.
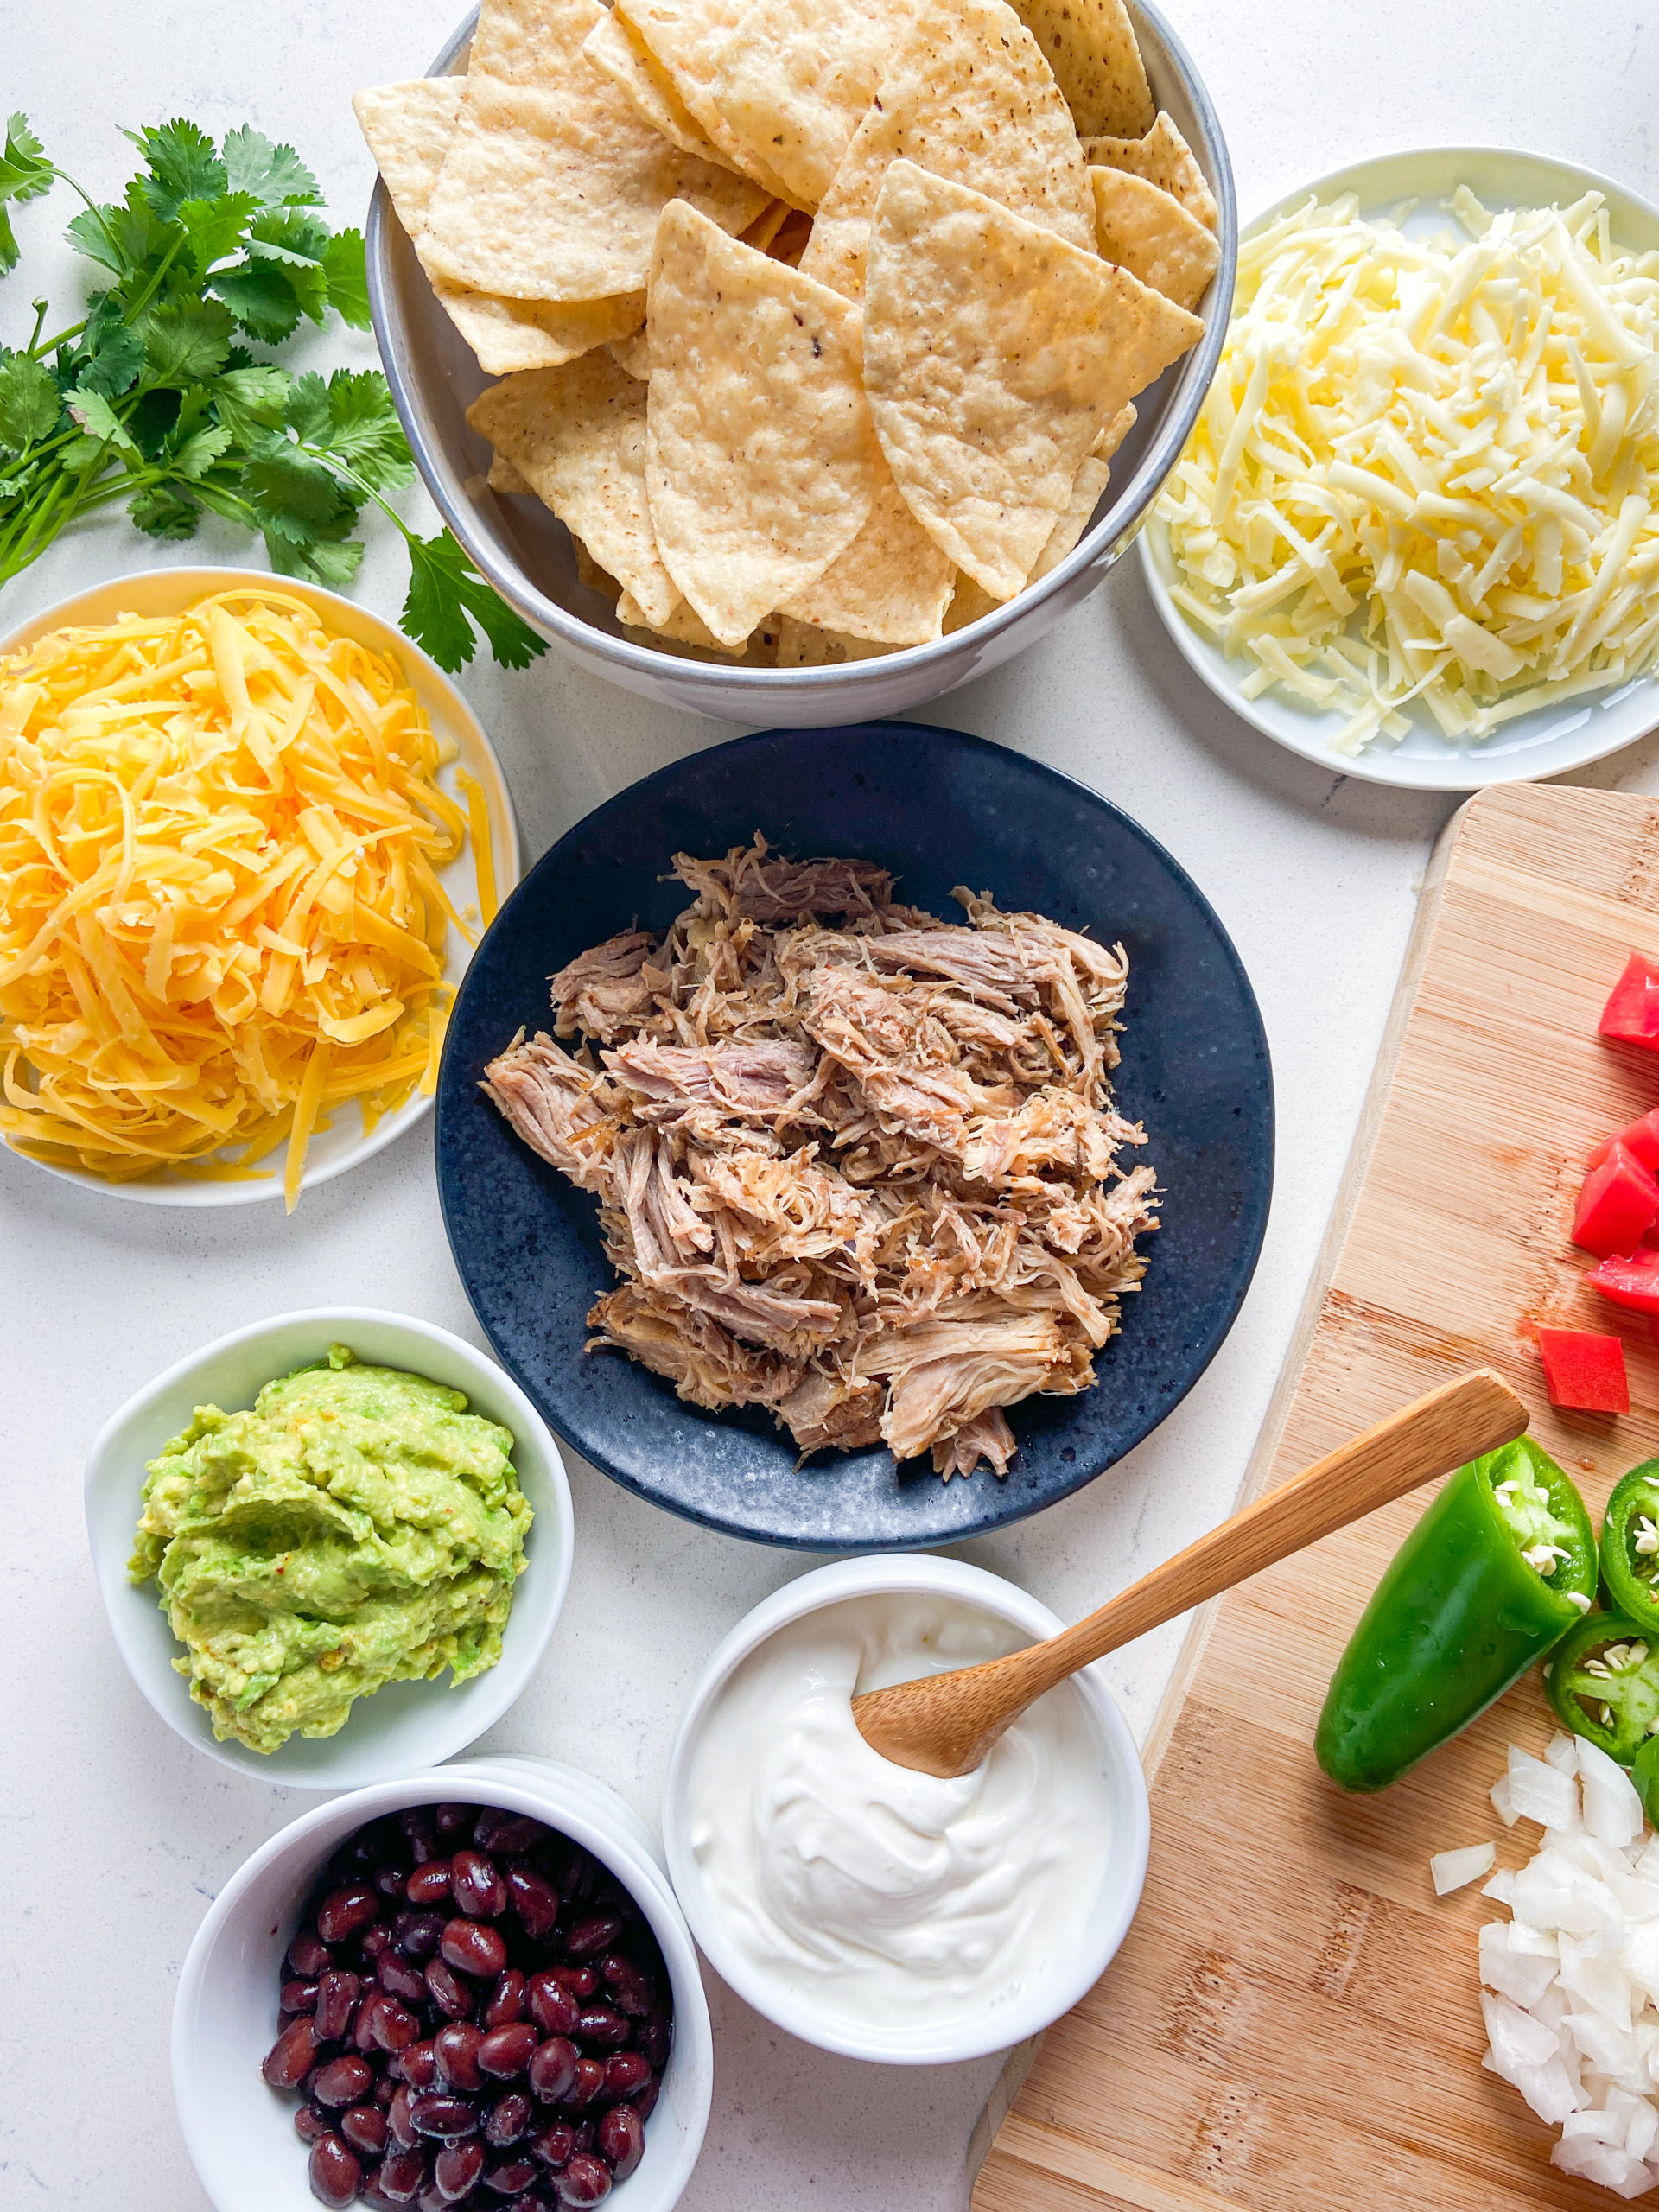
[(117, 1833)]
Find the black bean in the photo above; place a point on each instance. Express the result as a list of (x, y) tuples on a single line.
[(506, 2051), (457, 2170), (509, 2119), (554, 2069), (626, 2071), (418, 1833), (633, 1991), (336, 1993), (596, 1931), (550, 2005), (418, 2065), (506, 2002), (336, 2172), (365, 2128), (447, 1992), (513, 2176), (343, 1911), (478, 1889), (621, 2140), (405, 2133), (435, 2112), (455, 2049), (342, 2081), (504, 1833), (288, 2060), (420, 1935), (585, 2181), (401, 1980), (554, 2145), (453, 1820), (309, 1955), (473, 1947), (428, 1883), (311, 2121), (602, 2024), (402, 2174), (532, 1900)]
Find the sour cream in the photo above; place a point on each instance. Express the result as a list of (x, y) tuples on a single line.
[(880, 1896)]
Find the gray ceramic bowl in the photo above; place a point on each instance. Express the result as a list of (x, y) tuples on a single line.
[(526, 553)]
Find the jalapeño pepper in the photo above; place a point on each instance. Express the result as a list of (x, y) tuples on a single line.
[(1603, 1679), (1499, 1567), (1630, 1547)]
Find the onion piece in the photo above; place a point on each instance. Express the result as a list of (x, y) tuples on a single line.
[(1455, 1869)]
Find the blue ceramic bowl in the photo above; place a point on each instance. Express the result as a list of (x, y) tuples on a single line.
[(938, 808)]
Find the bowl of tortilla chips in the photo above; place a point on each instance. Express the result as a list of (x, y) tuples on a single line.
[(798, 360)]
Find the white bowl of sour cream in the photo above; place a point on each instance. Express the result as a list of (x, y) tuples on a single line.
[(876, 1912)]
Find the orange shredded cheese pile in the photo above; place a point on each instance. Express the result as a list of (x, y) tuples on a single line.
[(220, 915)]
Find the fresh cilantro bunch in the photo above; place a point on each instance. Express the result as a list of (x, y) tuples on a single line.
[(155, 398)]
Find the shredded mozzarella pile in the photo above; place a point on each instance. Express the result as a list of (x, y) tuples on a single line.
[(1571, 1994), (1428, 469), (220, 915)]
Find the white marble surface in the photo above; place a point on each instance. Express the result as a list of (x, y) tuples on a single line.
[(118, 1833)]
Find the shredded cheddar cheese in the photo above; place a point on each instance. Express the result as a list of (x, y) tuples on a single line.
[(1429, 468), (220, 913)]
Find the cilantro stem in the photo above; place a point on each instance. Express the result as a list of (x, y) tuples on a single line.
[(40, 308)]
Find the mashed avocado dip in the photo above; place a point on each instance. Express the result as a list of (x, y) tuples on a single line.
[(359, 1527)]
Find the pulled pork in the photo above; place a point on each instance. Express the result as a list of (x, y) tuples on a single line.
[(855, 1164)]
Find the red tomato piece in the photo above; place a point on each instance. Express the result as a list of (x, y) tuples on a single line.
[(1640, 1138), (1632, 1014), (1630, 1278), (1584, 1372), (1618, 1205)]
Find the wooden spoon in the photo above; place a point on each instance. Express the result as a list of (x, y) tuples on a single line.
[(945, 1724)]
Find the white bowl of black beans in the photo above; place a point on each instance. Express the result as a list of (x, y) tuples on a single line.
[(470, 1988)]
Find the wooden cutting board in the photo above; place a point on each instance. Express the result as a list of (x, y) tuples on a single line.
[(1293, 2022)]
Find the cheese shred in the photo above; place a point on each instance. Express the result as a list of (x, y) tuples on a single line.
[(1429, 468), (220, 917)]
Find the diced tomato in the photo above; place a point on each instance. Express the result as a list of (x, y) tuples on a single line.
[(1632, 1014), (1618, 1205), (1641, 1139), (1631, 1280), (1583, 1372)]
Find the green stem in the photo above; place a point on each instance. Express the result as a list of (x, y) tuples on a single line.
[(43, 346), (66, 494)]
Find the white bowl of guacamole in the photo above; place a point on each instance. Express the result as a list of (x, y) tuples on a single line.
[(331, 1546)]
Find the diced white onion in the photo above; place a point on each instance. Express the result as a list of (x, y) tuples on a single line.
[(1571, 1983), (1455, 1869)]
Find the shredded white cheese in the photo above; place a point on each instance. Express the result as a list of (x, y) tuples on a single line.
[(1428, 468)]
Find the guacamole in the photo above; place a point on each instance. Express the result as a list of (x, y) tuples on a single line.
[(359, 1527)]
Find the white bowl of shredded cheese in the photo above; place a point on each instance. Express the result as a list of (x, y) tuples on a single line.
[(1415, 535), (337, 1130)]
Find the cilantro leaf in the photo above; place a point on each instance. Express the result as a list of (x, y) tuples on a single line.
[(114, 352), (275, 176), (199, 451), (296, 496), (261, 297), (186, 341), (99, 419), (24, 174), (287, 234), (164, 511), (126, 239), (353, 419), (513, 642), (444, 588), (214, 228), (28, 402), (325, 559), (250, 399), (348, 276), (183, 165)]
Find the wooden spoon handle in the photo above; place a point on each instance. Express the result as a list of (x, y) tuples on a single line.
[(1460, 1420)]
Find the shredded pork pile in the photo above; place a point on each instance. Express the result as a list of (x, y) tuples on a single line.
[(855, 1164)]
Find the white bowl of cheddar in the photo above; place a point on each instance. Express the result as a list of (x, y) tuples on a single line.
[(275, 878)]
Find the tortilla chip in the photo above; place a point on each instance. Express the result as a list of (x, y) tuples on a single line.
[(553, 184), (994, 354), (766, 224), (577, 435), (616, 49), (409, 128), (589, 575), (505, 478), (1089, 45), (633, 354), (1165, 159), (970, 98), (1147, 230), (684, 625), (892, 584), (683, 38), (763, 461), (795, 78), (968, 601), (801, 646)]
